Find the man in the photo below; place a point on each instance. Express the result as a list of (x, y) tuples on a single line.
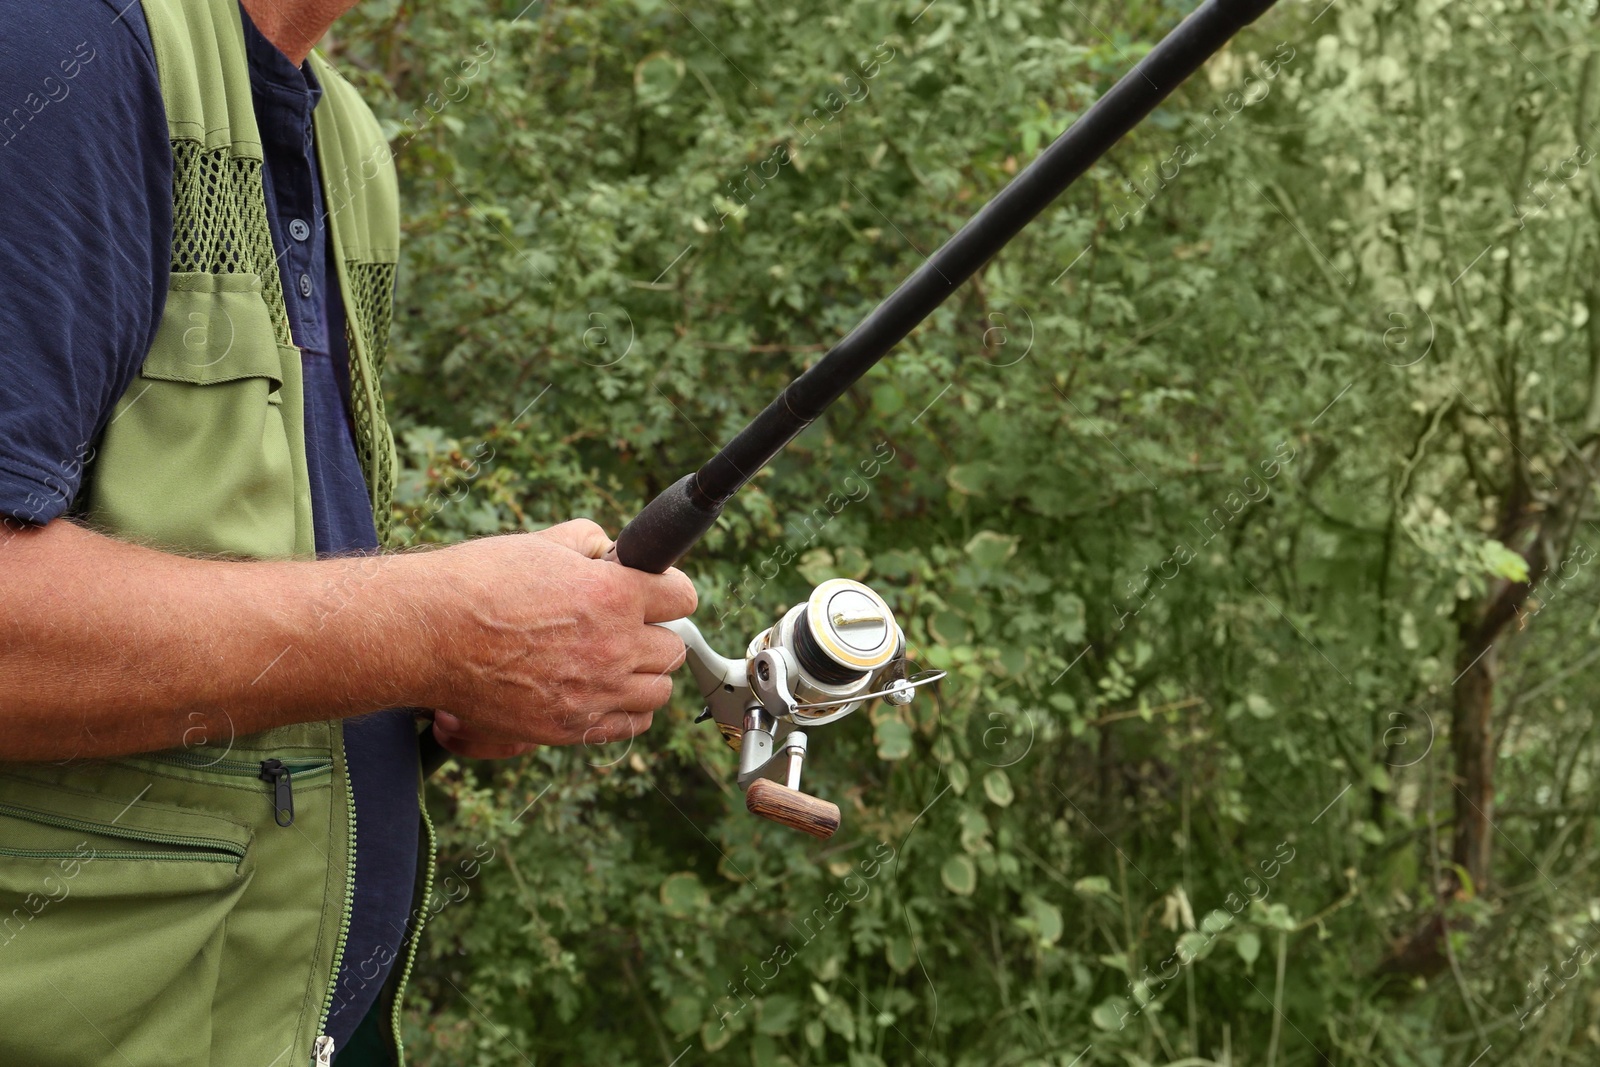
[(208, 823)]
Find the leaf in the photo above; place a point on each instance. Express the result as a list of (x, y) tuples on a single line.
[(838, 1017), (1193, 945), (1501, 562), (969, 479), (779, 1014), (989, 549), (997, 787), (959, 875), (1109, 1014), (714, 1035), (656, 76), (948, 627), (974, 830), (682, 895), (1248, 946), (1408, 632), (1047, 920), (851, 562), (1095, 885), (817, 566), (683, 1014), (1071, 618), (1260, 706), (897, 951), (894, 739), (1468, 889), (1117, 961)]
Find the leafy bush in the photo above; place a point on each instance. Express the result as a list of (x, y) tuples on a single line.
[(1223, 494)]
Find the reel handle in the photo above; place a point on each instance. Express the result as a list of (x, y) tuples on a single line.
[(794, 809)]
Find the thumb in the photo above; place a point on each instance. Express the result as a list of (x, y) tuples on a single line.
[(582, 536)]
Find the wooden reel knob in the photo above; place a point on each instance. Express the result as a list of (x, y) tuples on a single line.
[(800, 811)]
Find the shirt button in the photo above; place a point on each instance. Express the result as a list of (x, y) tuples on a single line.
[(299, 230), (305, 285)]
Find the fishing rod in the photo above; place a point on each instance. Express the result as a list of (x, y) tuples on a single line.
[(841, 648), (669, 526)]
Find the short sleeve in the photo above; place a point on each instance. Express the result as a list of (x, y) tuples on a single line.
[(85, 235)]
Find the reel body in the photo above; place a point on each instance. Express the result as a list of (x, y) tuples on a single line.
[(824, 659)]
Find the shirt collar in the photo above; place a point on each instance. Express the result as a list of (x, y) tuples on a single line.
[(273, 71)]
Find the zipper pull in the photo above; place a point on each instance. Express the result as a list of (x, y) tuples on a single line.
[(273, 770), (323, 1049)]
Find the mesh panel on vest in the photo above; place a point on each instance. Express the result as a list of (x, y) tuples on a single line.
[(219, 222), (372, 298), (219, 226), (374, 302)]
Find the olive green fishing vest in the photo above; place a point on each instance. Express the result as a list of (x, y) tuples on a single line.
[(189, 908)]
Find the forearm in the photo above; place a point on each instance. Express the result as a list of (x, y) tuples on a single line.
[(108, 648)]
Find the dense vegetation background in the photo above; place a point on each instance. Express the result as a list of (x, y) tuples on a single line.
[(1248, 497)]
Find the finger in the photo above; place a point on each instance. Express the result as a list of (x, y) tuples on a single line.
[(582, 536), (469, 747), (660, 651), (669, 595), (616, 726), (452, 731), (490, 752), (645, 692)]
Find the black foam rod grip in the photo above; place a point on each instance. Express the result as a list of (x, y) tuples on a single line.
[(666, 529)]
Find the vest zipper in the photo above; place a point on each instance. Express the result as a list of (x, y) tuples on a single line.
[(324, 1043), (323, 1051), (416, 937), (274, 772)]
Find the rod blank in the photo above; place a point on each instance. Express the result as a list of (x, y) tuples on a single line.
[(675, 520)]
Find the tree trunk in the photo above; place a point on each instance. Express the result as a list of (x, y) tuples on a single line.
[(1472, 744)]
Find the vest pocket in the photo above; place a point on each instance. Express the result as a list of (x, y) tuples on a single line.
[(216, 329), (105, 841), (113, 912), (283, 933), (277, 776), (197, 456)]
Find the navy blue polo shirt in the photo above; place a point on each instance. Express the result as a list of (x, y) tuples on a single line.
[(84, 262)]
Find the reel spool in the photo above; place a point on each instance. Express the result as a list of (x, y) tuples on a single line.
[(822, 660)]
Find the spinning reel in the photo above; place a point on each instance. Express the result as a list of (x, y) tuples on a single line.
[(824, 659)]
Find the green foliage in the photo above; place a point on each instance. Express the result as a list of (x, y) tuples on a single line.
[(1189, 491)]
